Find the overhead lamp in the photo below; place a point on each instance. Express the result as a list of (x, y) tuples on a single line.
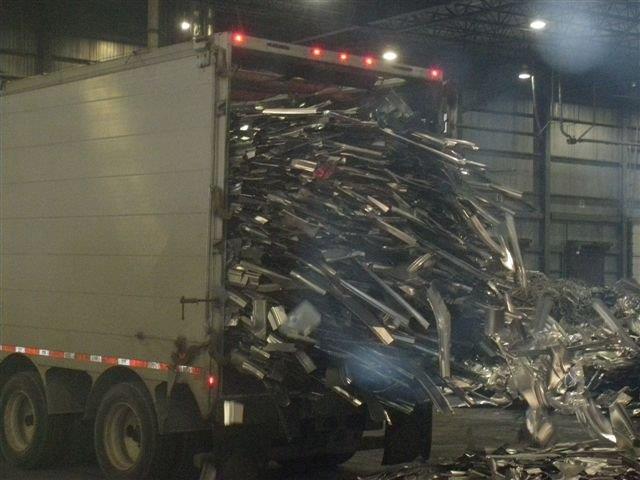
[(390, 56), (538, 24), (525, 73), (185, 25)]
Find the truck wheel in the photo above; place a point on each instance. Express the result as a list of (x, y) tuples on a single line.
[(127, 440), (29, 436)]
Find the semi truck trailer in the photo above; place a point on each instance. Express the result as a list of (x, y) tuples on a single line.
[(113, 208)]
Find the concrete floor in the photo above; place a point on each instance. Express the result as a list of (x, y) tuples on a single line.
[(453, 435)]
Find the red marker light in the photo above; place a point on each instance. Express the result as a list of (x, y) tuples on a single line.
[(211, 381), (316, 51), (343, 57), (435, 74), (368, 61), (238, 37)]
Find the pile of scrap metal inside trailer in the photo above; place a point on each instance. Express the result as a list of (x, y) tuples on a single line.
[(372, 258)]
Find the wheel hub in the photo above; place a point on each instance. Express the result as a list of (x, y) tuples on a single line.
[(19, 422), (122, 436)]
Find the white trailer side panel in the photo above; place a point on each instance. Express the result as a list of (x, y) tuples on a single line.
[(105, 207)]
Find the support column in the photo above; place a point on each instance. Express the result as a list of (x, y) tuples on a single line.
[(44, 41), (543, 104), (153, 23), (624, 268)]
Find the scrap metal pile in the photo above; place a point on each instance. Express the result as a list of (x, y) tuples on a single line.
[(374, 259), (566, 462)]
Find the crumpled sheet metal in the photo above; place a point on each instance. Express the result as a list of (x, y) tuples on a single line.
[(350, 239), (562, 462)]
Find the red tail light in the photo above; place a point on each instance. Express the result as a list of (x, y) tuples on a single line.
[(316, 51), (435, 74), (211, 381), (238, 37), (343, 57), (369, 61)]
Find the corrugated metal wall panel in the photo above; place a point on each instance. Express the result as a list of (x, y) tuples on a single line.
[(17, 65), (584, 113), (21, 40), (515, 172), (496, 126), (505, 142), (635, 246), (580, 207), (585, 180), (88, 49), (590, 151), (503, 121), (592, 232)]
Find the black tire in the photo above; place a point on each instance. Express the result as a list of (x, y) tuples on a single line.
[(29, 436), (127, 441)]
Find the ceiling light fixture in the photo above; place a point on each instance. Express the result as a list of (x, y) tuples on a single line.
[(538, 24), (390, 56)]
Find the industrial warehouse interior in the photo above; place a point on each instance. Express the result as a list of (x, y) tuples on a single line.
[(319, 239)]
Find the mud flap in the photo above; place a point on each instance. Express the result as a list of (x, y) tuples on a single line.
[(409, 436)]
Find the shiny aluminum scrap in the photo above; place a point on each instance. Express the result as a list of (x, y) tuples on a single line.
[(368, 258), (566, 462)]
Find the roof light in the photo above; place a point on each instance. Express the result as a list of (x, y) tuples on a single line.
[(343, 57), (368, 61), (316, 51), (525, 73), (538, 24), (390, 56), (185, 25), (435, 74), (238, 37)]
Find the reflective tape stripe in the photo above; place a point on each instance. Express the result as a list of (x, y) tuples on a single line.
[(106, 360)]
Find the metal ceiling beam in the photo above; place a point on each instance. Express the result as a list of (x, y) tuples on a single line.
[(376, 23), (493, 21)]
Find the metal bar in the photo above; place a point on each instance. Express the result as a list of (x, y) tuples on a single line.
[(624, 266), (153, 23), (215, 313), (542, 165), (330, 57)]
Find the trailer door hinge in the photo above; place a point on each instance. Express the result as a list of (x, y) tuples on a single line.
[(203, 53)]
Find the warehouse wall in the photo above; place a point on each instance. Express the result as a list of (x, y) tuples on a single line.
[(591, 184), (503, 128), (21, 56), (18, 51)]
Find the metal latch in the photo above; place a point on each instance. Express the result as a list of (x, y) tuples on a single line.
[(185, 300)]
